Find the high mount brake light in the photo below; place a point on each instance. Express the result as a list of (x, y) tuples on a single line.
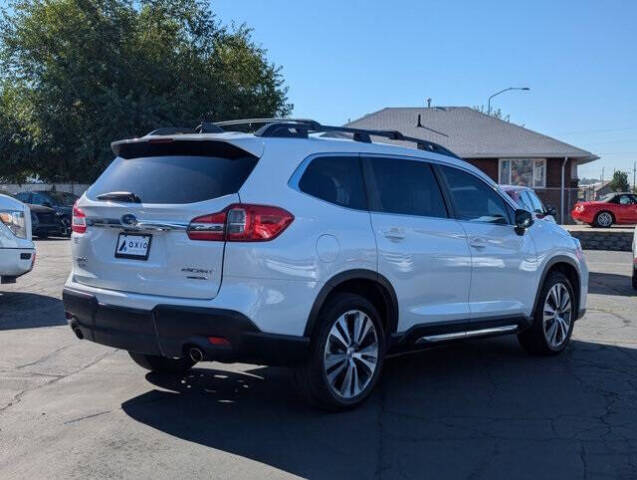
[(241, 223), (78, 224)]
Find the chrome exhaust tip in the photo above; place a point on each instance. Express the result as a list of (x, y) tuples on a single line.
[(195, 354)]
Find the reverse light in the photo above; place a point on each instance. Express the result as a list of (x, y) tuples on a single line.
[(78, 224), (241, 223)]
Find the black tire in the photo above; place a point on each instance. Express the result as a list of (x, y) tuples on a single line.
[(604, 224), (159, 364), (534, 339), (312, 378), (635, 278)]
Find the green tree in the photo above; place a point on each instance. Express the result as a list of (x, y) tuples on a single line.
[(619, 183), (81, 73)]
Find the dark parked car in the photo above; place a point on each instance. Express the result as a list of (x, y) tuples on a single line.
[(61, 202), (45, 221)]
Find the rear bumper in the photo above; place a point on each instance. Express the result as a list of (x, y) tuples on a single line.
[(170, 331), (15, 262)]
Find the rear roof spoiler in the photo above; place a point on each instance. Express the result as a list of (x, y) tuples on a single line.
[(192, 144)]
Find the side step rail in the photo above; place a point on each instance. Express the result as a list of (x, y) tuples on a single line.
[(466, 334)]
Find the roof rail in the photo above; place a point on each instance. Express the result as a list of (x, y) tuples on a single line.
[(302, 128)]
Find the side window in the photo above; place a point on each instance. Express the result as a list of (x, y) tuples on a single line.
[(524, 201), (473, 199), (336, 180), (406, 187), (625, 200), (23, 197), (534, 202)]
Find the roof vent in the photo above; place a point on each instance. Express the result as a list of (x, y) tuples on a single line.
[(419, 122)]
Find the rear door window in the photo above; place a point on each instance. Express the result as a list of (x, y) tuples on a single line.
[(174, 179), (406, 187), (337, 180)]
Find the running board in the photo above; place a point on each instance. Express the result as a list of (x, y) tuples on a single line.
[(466, 334)]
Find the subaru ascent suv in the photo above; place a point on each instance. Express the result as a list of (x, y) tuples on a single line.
[(310, 246)]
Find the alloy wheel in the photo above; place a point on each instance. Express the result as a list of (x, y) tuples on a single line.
[(351, 354), (557, 315), (604, 219)]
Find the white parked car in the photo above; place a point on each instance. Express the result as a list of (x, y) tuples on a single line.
[(17, 251), (527, 199), (283, 247)]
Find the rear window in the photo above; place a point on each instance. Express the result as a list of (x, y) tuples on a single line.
[(337, 180), (174, 178)]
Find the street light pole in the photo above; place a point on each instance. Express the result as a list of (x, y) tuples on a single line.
[(502, 91)]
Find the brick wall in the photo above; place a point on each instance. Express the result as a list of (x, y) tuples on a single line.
[(487, 165)]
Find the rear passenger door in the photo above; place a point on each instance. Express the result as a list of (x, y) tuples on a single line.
[(421, 251), (503, 261)]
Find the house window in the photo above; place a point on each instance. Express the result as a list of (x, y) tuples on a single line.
[(528, 172)]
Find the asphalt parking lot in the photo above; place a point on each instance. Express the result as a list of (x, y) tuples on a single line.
[(480, 409)]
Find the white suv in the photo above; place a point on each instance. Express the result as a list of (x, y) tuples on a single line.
[(328, 254)]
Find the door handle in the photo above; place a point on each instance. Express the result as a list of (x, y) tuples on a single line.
[(394, 234), (477, 242)]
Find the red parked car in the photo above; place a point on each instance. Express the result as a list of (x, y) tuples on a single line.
[(620, 208)]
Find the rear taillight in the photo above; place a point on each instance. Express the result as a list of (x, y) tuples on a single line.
[(241, 223), (78, 224)]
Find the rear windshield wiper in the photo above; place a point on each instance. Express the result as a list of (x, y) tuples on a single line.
[(129, 197)]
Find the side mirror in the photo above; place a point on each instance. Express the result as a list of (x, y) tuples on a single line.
[(550, 210), (523, 219)]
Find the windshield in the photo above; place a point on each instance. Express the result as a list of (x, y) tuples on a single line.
[(608, 197)]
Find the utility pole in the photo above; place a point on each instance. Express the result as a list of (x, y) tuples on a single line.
[(602, 179), (634, 176)]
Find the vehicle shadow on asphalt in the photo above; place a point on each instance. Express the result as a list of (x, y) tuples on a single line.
[(475, 409), (610, 284), (29, 310)]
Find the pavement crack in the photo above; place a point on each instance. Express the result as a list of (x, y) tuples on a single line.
[(44, 358), (85, 417), (56, 378)]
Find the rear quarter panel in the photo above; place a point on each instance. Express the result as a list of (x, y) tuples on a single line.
[(322, 241)]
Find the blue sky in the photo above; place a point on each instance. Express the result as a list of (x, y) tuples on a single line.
[(343, 59)]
